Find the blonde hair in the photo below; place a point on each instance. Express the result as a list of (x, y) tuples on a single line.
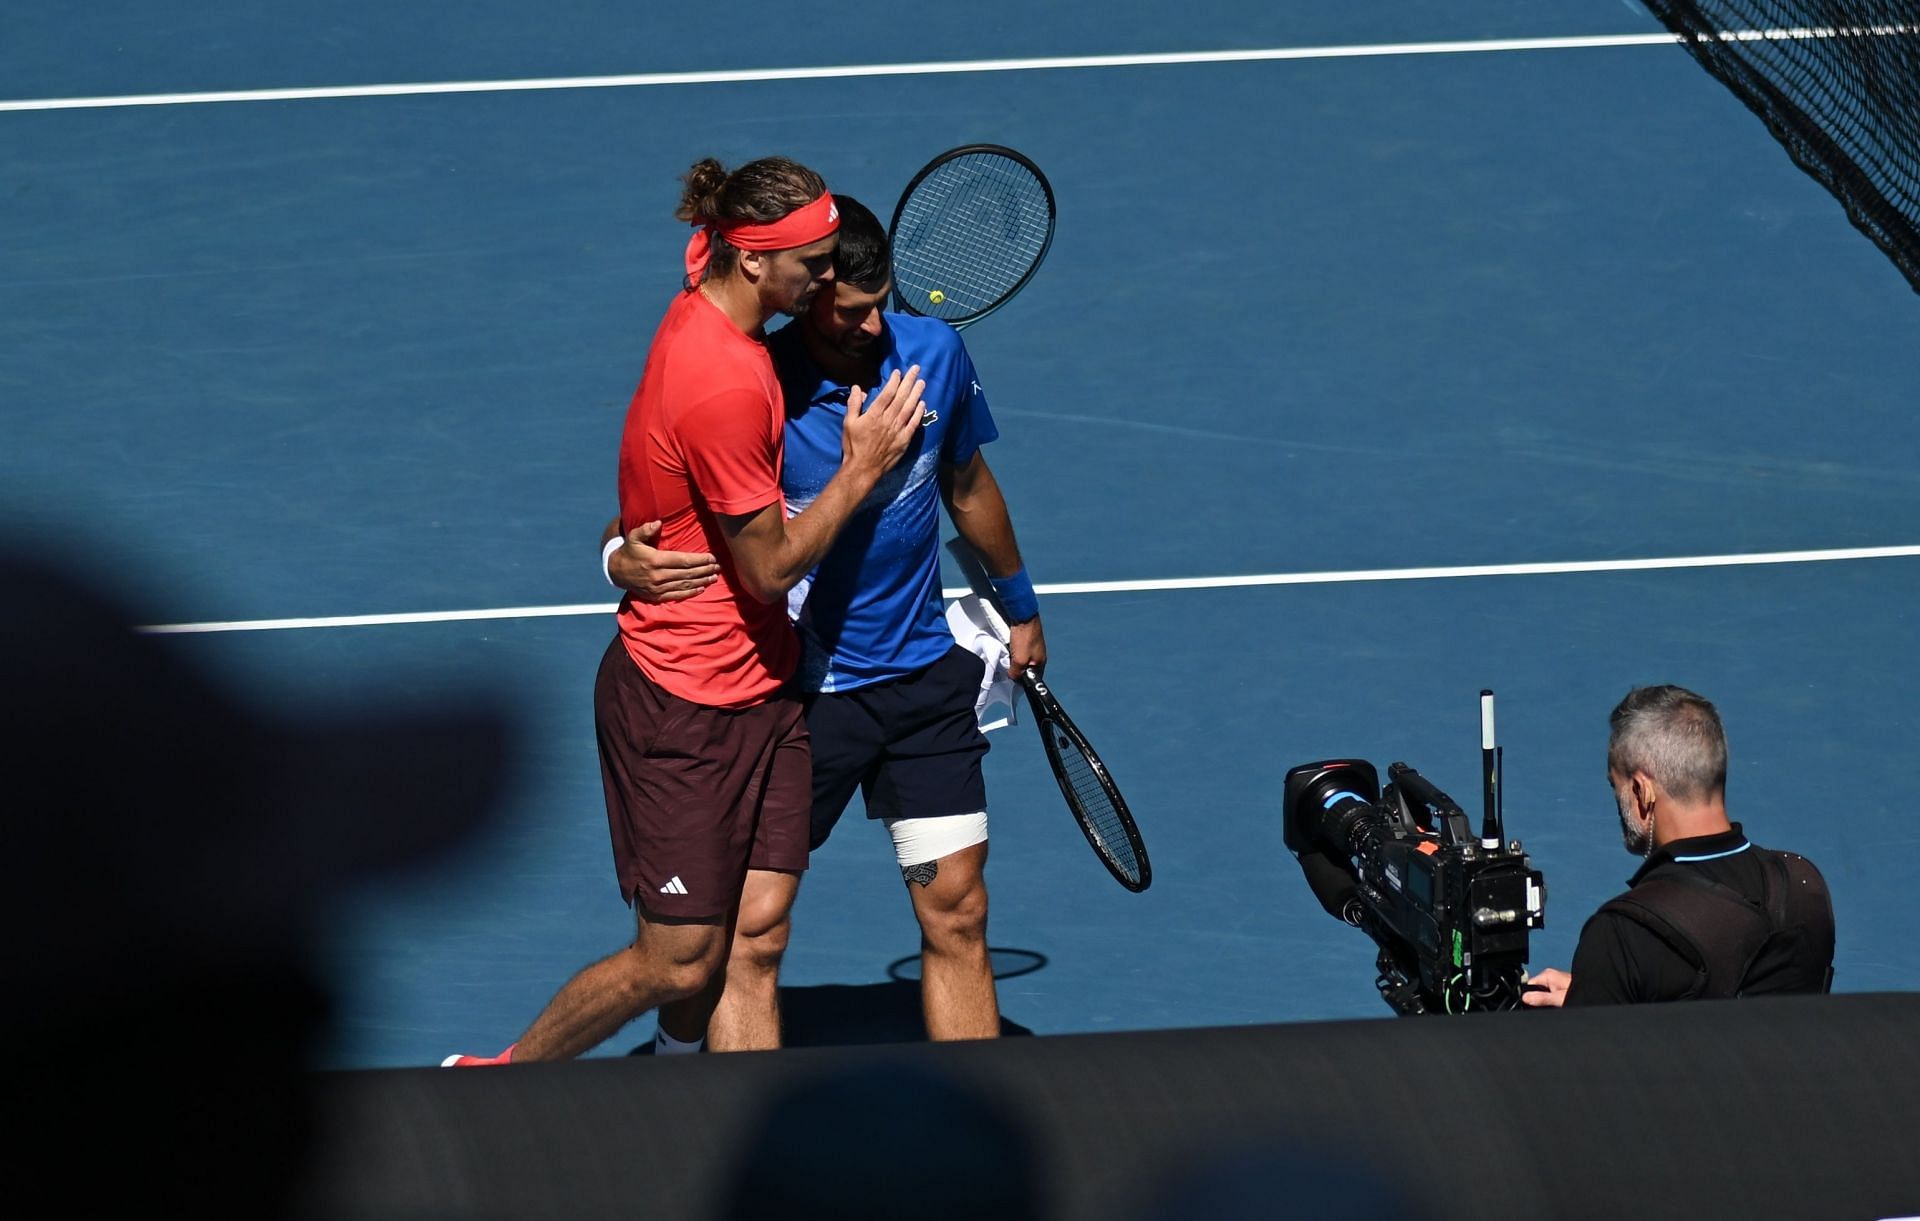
[(761, 191)]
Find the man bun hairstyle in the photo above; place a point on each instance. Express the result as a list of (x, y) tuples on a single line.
[(864, 257), (1672, 735), (758, 192)]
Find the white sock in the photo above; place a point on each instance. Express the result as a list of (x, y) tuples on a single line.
[(665, 1044)]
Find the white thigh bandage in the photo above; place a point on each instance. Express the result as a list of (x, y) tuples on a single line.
[(919, 840)]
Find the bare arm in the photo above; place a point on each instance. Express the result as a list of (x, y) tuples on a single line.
[(771, 551), (979, 513), (1547, 990), (652, 575)]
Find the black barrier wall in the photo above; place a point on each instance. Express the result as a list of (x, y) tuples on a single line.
[(1804, 1107)]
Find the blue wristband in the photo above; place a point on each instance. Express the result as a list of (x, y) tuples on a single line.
[(1016, 597)]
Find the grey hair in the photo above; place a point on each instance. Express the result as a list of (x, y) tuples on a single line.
[(1672, 735)]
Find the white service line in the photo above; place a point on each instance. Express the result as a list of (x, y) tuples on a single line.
[(936, 68), (1479, 570), (1110, 587), (278, 625)]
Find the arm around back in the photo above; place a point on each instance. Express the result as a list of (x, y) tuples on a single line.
[(651, 575)]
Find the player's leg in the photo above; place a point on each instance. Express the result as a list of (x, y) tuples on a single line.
[(949, 896), (930, 792), (669, 960), (843, 743), (684, 785), (746, 1016), (682, 1028)]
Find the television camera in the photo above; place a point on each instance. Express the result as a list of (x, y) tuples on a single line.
[(1449, 909)]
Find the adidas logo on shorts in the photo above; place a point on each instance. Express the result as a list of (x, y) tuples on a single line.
[(674, 886)]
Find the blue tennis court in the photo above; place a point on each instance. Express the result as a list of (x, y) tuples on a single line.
[(1357, 379)]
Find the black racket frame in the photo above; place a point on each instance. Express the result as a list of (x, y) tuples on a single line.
[(1047, 715), (893, 226)]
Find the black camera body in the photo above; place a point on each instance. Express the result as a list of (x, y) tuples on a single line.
[(1450, 910)]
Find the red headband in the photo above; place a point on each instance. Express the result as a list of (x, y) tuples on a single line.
[(801, 227)]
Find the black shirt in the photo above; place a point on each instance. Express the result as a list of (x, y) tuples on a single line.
[(1620, 961)]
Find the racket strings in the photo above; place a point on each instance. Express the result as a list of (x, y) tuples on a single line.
[(1094, 802), (968, 234), (971, 244)]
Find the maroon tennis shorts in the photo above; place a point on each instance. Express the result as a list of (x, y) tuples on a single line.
[(697, 795)]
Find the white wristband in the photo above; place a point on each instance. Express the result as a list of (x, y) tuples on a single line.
[(606, 556)]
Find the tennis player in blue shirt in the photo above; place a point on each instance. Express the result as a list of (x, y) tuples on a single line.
[(889, 696)]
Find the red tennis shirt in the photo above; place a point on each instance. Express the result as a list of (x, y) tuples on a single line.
[(704, 437)]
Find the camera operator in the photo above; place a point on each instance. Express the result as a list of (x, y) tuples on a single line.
[(1710, 914)]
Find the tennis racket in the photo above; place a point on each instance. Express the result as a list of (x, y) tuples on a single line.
[(1090, 792), (1084, 781), (969, 232)]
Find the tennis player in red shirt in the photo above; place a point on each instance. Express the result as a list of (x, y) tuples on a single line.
[(703, 750)]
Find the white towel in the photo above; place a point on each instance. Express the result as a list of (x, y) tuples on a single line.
[(978, 629)]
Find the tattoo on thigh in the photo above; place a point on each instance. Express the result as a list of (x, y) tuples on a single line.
[(924, 873)]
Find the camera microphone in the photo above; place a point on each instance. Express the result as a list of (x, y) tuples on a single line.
[(1492, 832)]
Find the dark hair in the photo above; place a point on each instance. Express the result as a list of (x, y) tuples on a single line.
[(763, 190), (864, 257), (1672, 735)]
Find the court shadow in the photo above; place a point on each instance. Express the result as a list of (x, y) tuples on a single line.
[(837, 1015), (847, 1015), (175, 845)]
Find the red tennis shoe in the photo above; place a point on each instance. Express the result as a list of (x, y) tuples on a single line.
[(505, 1057)]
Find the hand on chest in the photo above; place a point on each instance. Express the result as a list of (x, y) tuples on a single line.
[(813, 453)]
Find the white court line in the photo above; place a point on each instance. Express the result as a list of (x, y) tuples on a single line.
[(1110, 587), (644, 79)]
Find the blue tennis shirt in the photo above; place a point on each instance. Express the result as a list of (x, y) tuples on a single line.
[(872, 610)]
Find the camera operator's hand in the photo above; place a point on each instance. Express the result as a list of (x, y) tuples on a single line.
[(1547, 990)]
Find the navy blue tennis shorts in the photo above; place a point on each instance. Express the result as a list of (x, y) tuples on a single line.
[(910, 745)]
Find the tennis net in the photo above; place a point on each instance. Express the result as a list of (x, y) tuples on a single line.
[(1838, 84)]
